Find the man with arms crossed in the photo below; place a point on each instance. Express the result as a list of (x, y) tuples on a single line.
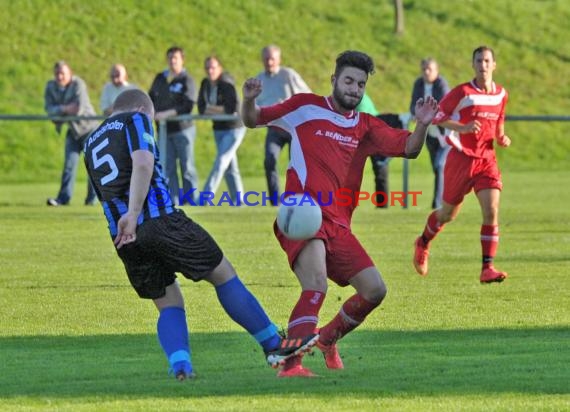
[(326, 132), (66, 95)]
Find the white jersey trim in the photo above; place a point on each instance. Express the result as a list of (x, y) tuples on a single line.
[(480, 100), (469, 100), (303, 319), (310, 113)]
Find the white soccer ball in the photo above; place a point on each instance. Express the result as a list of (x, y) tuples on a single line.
[(299, 217)]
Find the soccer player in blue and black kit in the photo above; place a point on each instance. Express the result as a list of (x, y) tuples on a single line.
[(155, 240)]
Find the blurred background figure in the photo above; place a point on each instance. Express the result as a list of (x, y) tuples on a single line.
[(380, 163), (173, 92), (66, 95), (279, 83), (431, 83), (218, 95), (118, 83)]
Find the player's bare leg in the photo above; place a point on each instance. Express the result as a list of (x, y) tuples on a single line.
[(489, 200)]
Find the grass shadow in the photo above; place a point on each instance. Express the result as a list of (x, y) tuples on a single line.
[(378, 363)]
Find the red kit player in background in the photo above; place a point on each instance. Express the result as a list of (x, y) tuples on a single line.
[(474, 114)]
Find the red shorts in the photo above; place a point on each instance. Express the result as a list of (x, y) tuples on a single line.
[(463, 173), (345, 256)]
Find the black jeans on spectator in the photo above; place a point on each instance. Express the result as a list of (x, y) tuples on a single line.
[(274, 141)]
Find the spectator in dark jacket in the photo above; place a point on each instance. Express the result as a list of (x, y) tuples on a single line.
[(173, 92), (218, 95), (431, 83)]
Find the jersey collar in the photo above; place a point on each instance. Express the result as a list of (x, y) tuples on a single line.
[(493, 87), (348, 115)]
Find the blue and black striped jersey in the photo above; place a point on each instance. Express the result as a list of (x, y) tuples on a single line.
[(109, 166)]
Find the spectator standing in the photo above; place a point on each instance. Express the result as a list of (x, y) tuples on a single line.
[(431, 83), (66, 95), (118, 83), (279, 83), (173, 92), (366, 105), (379, 162), (218, 95)]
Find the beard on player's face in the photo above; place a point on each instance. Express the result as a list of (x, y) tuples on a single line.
[(346, 99)]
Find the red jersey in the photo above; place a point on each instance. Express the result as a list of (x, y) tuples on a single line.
[(324, 143), (354, 179), (467, 102)]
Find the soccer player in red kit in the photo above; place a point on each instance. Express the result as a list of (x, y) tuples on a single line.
[(326, 132), (474, 113)]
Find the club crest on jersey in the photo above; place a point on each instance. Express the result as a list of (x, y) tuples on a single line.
[(148, 138), (175, 88)]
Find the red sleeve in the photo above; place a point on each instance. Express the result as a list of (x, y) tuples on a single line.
[(268, 114), (447, 105), (385, 140)]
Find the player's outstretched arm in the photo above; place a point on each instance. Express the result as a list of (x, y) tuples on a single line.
[(249, 110), (426, 110)]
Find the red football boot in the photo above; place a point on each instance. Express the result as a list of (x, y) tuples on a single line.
[(421, 254), (490, 275)]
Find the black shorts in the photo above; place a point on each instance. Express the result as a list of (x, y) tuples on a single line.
[(165, 245)]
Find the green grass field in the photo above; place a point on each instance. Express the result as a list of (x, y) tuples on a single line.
[(75, 337)]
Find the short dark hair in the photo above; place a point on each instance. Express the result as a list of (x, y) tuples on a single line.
[(214, 58), (481, 49), (426, 61), (353, 58), (60, 64), (175, 49)]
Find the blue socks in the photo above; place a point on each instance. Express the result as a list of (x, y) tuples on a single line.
[(173, 337), (239, 304), (245, 310)]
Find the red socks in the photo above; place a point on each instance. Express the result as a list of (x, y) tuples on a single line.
[(489, 244), (489, 238), (433, 227), (305, 315), (351, 314), (304, 318)]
